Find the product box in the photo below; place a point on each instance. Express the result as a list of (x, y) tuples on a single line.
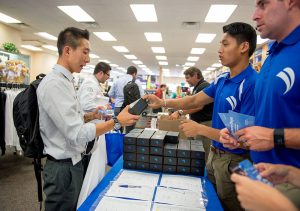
[(129, 164), (129, 156), (198, 163), (157, 139), (165, 123), (197, 152), (170, 161), (172, 137), (155, 167), (183, 161), (156, 151), (144, 138), (143, 150), (142, 166), (170, 150), (197, 142), (131, 138), (130, 148), (136, 130), (169, 169), (197, 171), (183, 170), (142, 158), (184, 148), (156, 159)]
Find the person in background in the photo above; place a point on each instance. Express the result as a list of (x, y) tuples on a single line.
[(65, 130), (203, 114), (275, 136), (252, 194), (230, 91), (159, 93)]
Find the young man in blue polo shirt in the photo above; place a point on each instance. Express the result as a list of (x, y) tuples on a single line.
[(230, 91), (275, 138)]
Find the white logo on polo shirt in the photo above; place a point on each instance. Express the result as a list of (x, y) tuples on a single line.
[(232, 101), (241, 89), (288, 77)]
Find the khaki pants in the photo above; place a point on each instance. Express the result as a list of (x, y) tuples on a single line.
[(218, 173), (206, 141), (291, 192)]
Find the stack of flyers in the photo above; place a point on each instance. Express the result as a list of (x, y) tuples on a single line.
[(234, 121)]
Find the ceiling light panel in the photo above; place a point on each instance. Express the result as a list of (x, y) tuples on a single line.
[(50, 47), (161, 57), (7, 19), (153, 36), (114, 65), (121, 49), (205, 38), (219, 13), (163, 63), (106, 61), (105, 36), (94, 56), (31, 47), (198, 50), (46, 35), (130, 56), (158, 49), (137, 62), (217, 65), (144, 12), (193, 58), (210, 68), (77, 13), (189, 64)]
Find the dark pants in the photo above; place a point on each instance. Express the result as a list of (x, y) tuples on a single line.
[(62, 185)]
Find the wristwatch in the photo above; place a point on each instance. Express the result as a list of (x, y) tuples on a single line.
[(117, 124), (279, 137), (180, 112)]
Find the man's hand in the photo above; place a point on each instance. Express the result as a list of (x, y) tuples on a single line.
[(174, 116), (97, 114), (227, 140), (275, 173), (154, 101), (127, 119), (190, 128), (256, 138)]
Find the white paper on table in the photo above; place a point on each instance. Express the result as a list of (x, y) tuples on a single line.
[(179, 197), (137, 178), (168, 207), (183, 182), (131, 191), (117, 204)]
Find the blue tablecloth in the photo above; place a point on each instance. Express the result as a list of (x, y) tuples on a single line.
[(213, 200)]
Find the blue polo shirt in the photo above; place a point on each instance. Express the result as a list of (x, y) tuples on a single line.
[(277, 96), (234, 94)]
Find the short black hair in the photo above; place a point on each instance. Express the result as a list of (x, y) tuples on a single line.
[(102, 67), (131, 70), (191, 71), (242, 32), (163, 85), (71, 36)]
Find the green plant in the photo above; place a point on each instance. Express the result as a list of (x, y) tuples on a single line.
[(10, 47)]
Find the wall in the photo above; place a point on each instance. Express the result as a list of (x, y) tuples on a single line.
[(9, 34)]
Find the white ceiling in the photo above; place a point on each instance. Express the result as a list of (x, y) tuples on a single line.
[(116, 17)]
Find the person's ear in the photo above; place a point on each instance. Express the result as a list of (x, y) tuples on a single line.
[(244, 47)]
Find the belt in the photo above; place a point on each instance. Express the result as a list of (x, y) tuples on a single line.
[(67, 160), (218, 151)]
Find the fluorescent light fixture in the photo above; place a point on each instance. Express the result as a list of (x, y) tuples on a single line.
[(189, 64), (198, 50), (91, 66), (219, 13), (77, 13), (144, 12), (121, 68), (130, 56), (94, 56), (260, 40), (137, 62), (114, 65), (146, 69), (165, 70), (121, 49), (210, 68), (161, 57), (184, 68), (163, 63), (205, 38), (46, 35), (193, 58), (106, 61), (7, 19), (105, 36), (50, 47), (153, 36), (31, 47), (142, 65), (217, 65), (158, 49)]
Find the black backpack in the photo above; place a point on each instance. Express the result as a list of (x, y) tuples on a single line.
[(26, 121), (131, 93)]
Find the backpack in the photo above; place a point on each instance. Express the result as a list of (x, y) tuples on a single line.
[(26, 121), (131, 93)]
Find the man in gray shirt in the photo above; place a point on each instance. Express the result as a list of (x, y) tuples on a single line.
[(64, 128)]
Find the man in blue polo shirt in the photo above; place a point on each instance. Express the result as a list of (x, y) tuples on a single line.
[(275, 138), (229, 91)]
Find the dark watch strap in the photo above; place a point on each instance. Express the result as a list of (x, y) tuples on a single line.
[(279, 137)]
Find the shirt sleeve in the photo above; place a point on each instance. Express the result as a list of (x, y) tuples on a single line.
[(87, 97), (247, 106), (64, 110), (142, 93), (112, 91), (210, 90)]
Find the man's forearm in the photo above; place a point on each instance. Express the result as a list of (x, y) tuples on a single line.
[(89, 117), (292, 138), (191, 111), (104, 127), (209, 132)]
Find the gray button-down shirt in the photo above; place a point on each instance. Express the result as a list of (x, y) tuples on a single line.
[(61, 118)]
